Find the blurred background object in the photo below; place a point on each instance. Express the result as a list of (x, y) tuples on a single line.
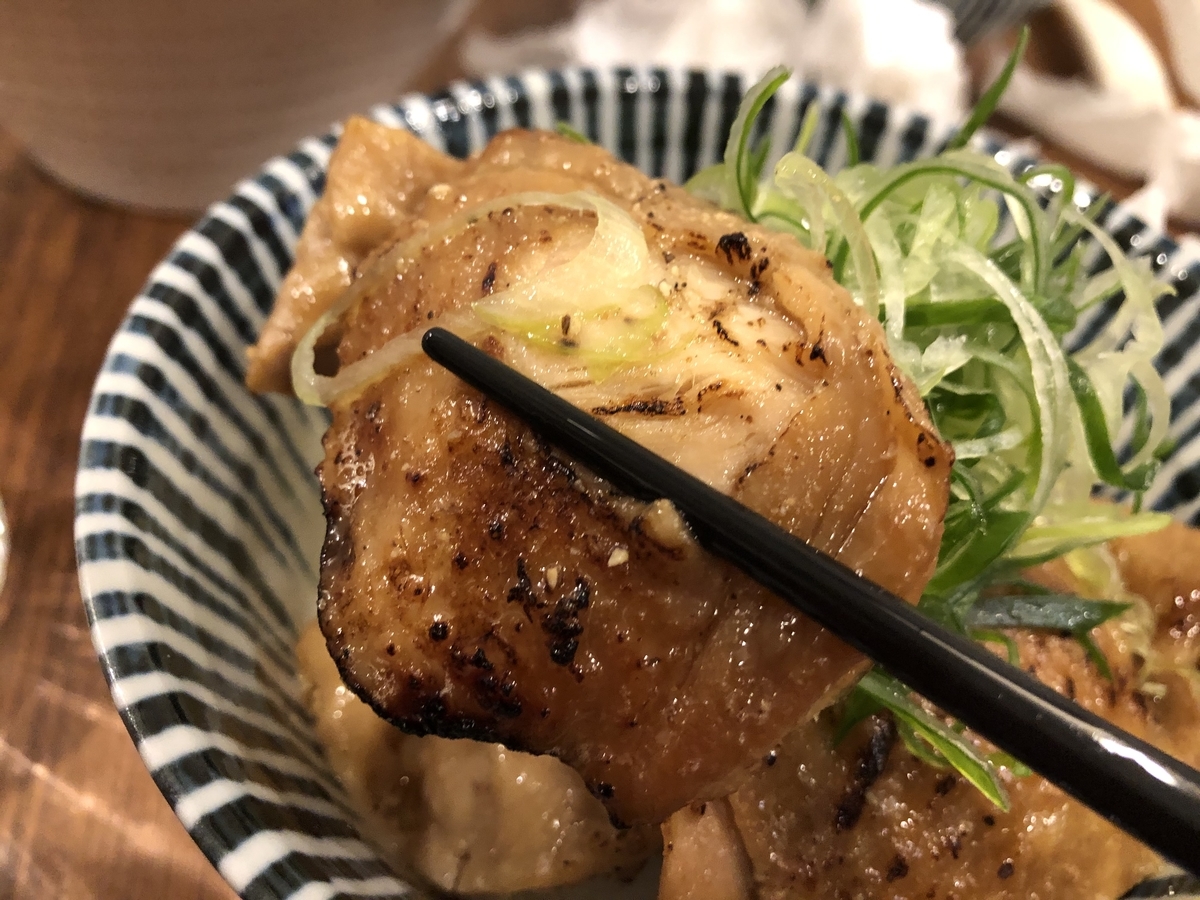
[(1111, 83), (1107, 81), (1173, 26), (901, 51), (164, 105), (1093, 82), (975, 19), (3, 543)]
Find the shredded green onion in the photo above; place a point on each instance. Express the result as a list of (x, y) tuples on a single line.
[(1053, 612), (569, 131), (931, 739), (981, 325), (741, 179), (990, 98), (799, 177), (853, 155)]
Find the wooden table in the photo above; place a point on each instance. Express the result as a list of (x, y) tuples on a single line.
[(80, 818), (79, 815)]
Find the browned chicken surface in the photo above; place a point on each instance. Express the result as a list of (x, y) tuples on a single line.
[(476, 584), (463, 816), (867, 819), (1164, 568), (374, 180)]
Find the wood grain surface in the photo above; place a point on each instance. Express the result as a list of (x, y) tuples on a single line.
[(79, 815), (80, 818)]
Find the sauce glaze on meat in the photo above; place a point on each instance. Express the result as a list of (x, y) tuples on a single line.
[(865, 818), (476, 584)]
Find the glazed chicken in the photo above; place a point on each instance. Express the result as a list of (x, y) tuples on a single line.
[(463, 816), (376, 177), (474, 583), (1164, 568), (477, 584), (866, 819)]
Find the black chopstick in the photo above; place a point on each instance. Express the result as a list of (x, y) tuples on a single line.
[(1149, 794)]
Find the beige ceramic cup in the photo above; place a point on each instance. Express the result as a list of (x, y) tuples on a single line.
[(163, 104)]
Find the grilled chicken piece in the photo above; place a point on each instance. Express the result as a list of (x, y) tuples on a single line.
[(463, 816), (375, 177), (866, 819), (704, 856), (475, 584), (1164, 568)]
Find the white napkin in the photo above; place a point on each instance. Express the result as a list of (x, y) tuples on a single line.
[(900, 51), (1121, 115), (1121, 132)]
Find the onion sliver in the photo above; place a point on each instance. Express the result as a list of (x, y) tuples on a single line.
[(614, 259)]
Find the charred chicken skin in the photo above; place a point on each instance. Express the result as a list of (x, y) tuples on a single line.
[(475, 583)]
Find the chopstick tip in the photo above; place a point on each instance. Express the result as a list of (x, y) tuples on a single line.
[(431, 337)]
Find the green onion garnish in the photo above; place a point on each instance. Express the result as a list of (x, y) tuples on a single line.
[(978, 318)]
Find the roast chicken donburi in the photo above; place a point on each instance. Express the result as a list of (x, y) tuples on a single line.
[(476, 584)]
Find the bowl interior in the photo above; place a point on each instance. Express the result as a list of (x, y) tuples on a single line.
[(198, 518)]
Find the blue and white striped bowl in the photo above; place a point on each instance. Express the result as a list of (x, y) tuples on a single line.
[(198, 520), (975, 19)]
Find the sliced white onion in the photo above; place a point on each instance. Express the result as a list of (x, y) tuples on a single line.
[(799, 177), (614, 258), (1051, 384), (1109, 362)]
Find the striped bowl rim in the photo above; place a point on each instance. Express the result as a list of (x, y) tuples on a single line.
[(198, 522)]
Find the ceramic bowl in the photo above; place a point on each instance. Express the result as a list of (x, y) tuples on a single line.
[(164, 105), (198, 521)]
